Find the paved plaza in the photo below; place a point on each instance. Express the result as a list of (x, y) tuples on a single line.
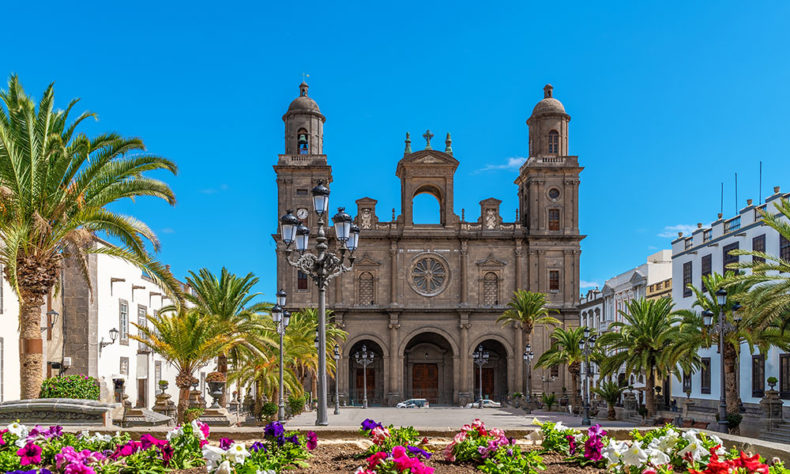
[(443, 417)]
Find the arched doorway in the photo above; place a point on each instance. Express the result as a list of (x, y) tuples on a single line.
[(428, 369), (494, 372), (374, 376)]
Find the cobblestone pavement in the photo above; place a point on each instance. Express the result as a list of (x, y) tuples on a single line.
[(443, 417)]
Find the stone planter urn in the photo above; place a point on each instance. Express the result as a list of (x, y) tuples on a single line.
[(216, 387)]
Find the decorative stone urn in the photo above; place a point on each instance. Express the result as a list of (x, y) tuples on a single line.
[(771, 406)]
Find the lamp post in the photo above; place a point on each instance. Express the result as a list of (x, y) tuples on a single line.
[(336, 356), (481, 358), (321, 266), (281, 317), (722, 327), (528, 356), (364, 358), (586, 346)]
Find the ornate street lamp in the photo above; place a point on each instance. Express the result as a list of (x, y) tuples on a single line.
[(364, 358), (281, 317), (586, 345), (321, 266), (722, 328), (528, 356), (336, 356), (481, 358)]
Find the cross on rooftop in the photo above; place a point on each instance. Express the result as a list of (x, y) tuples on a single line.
[(427, 136)]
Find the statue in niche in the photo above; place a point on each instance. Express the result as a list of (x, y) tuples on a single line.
[(490, 219), (366, 220)]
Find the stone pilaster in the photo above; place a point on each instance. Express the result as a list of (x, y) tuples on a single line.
[(394, 389)]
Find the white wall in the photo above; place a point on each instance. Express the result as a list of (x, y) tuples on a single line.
[(9, 352)]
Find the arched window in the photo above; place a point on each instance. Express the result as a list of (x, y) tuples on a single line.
[(490, 289), (554, 142), (303, 144), (366, 293)]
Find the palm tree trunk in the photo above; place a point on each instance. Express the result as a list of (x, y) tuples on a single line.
[(222, 367), (184, 383), (276, 400), (31, 354), (730, 382), (650, 394)]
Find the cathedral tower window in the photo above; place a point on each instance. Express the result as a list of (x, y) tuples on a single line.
[(365, 289), (303, 145), (554, 280), (554, 142), (554, 219), (490, 289)]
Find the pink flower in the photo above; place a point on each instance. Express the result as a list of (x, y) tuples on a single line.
[(649, 470), (167, 453), (398, 452), (203, 429), (459, 437), (30, 454), (375, 459), (448, 452), (78, 468), (147, 440), (378, 435)]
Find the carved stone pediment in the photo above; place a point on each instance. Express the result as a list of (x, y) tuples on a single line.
[(366, 261), (490, 261)]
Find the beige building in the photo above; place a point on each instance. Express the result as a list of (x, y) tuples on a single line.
[(423, 297)]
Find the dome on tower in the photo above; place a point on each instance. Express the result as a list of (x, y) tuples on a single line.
[(549, 105), (303, 103)]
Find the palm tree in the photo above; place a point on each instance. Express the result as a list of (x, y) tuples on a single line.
[(528, 309), (753, 329), (639, 343), (301, 335), (565, 350), (769, 278), (228, 300), (55, 186), (610, 392), (188, 340)]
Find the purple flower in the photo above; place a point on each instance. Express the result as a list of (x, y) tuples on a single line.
[(55, 431), (369, 424), (293, 439), (147, 440), (30, 454), (596, 431), (592, 449), (224, 443), (167, 453), (312, 440), (415, 451), (510, 452), (571, 444), (257, 446), (274, 429)]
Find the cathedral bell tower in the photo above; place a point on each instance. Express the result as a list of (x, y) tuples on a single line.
[(299, 170), (548, 192)]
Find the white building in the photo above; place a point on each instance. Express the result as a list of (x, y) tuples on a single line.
[(121, 294), (704, 252), (599, 309)]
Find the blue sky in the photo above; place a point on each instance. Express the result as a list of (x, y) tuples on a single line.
[(668, 100)]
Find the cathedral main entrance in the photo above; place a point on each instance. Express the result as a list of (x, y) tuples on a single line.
[(428, 364), (374, 376)]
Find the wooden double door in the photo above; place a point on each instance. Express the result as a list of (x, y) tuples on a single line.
[(425, 382), (488, 383), (360, 383)]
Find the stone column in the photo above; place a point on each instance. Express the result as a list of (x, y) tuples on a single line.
[(395, 390), (394, 272), (464, 277), (517, 252), (518, 361), (464, 388)]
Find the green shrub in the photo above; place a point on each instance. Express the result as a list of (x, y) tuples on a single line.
[(193, 414), (269, 409), (71, 386), (734, 420), (548, 400), (773, 380), (296, 404)]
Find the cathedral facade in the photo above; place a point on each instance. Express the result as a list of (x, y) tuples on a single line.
[(423, 297)]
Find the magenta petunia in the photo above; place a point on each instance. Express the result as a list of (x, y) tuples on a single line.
[(30, 454)]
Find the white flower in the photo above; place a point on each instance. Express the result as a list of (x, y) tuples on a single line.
[(18, 430), (634, 456), (237, 452), (270, 471), (213, 455), (613, 452), (175, 433), (690, 435), (579, 438), (224, 468), (20, 442), (560, 427), (666, 442), (657, 457), (694, 449), (197, 431)]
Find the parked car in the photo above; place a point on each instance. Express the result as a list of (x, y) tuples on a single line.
[(413, 403), (486, 404)]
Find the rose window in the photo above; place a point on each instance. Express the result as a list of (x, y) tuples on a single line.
[(428, 276)]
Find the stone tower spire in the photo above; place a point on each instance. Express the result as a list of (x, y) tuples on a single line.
[(448, 145), (304, 125)]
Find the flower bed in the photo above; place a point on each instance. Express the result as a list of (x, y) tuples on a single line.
[(46, 451)]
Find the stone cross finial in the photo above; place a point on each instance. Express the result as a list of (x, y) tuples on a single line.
[(448, 145), (427, 136), (408, 144)]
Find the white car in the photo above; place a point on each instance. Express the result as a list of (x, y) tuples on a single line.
[(413, 403), (486, 404)]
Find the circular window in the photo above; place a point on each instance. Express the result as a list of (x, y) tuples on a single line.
[(554, 193), (429, 276)]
